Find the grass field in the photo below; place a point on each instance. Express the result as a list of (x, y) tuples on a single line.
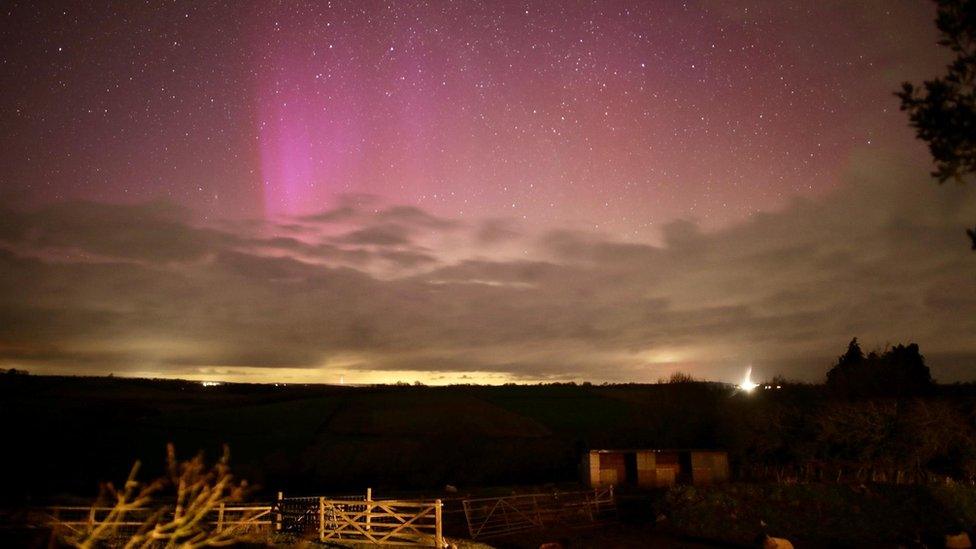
[(71, 433)]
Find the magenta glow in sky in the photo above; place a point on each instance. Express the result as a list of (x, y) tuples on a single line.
[(611, 115), (464, 191), (616, 115)]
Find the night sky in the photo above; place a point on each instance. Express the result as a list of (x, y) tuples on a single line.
[(465, 191)]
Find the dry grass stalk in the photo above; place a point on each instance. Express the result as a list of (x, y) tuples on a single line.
[(185, 522)]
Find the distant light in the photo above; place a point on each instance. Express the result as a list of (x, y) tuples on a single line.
[(210, 383), (747, 384)]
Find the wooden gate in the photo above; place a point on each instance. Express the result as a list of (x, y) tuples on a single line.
[(383, 522), (493, 517)]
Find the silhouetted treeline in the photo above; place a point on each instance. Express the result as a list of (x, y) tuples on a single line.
[(898, 371), (878, 417)]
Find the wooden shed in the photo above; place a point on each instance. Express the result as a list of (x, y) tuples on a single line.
[(653, 468)]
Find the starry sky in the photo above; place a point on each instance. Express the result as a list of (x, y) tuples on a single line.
[(486, 191)]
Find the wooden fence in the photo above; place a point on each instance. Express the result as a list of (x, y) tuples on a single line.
[(363, 519), (79, 519), (495, 517)]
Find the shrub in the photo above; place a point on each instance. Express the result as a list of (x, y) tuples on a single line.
[(821, 514), (182, 521)]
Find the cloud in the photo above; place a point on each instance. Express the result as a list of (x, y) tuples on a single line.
[(152, 232), (91, 288), (415, 218), (494, 231), (377, 235)]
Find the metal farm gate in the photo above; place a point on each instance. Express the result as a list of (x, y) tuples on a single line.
[(381, 522), (494, 517)]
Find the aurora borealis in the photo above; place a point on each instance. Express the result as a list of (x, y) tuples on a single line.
[(483, 191)]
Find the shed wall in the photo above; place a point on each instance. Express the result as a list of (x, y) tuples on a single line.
[(613, 469), (593, 469), (655, 469), (709, 467), (646, 469)]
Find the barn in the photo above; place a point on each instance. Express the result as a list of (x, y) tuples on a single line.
[(654, 468)]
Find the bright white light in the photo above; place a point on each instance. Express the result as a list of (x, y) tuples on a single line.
[(210, 383), (747, 384)]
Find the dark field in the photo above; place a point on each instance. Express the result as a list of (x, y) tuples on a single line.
[(64, 435)]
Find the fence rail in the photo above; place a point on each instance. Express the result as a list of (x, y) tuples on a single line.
[(416, 523), (363, 519), (386, 522), (496, 517), (79, 519)]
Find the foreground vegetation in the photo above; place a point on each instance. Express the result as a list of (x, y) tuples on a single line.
[(824, 515), (170, 511)]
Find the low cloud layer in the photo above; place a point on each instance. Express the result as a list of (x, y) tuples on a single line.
[(367, 287)]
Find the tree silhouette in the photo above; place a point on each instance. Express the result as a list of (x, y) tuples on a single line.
[(906, 367), (943, 113), (899, 371), (843, 374)]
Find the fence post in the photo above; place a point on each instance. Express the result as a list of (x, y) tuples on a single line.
[(220, 517), (369, 509), (536, 509), (438, 529), (321, 518), (281, 496), (55, 528), (467, 517)]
